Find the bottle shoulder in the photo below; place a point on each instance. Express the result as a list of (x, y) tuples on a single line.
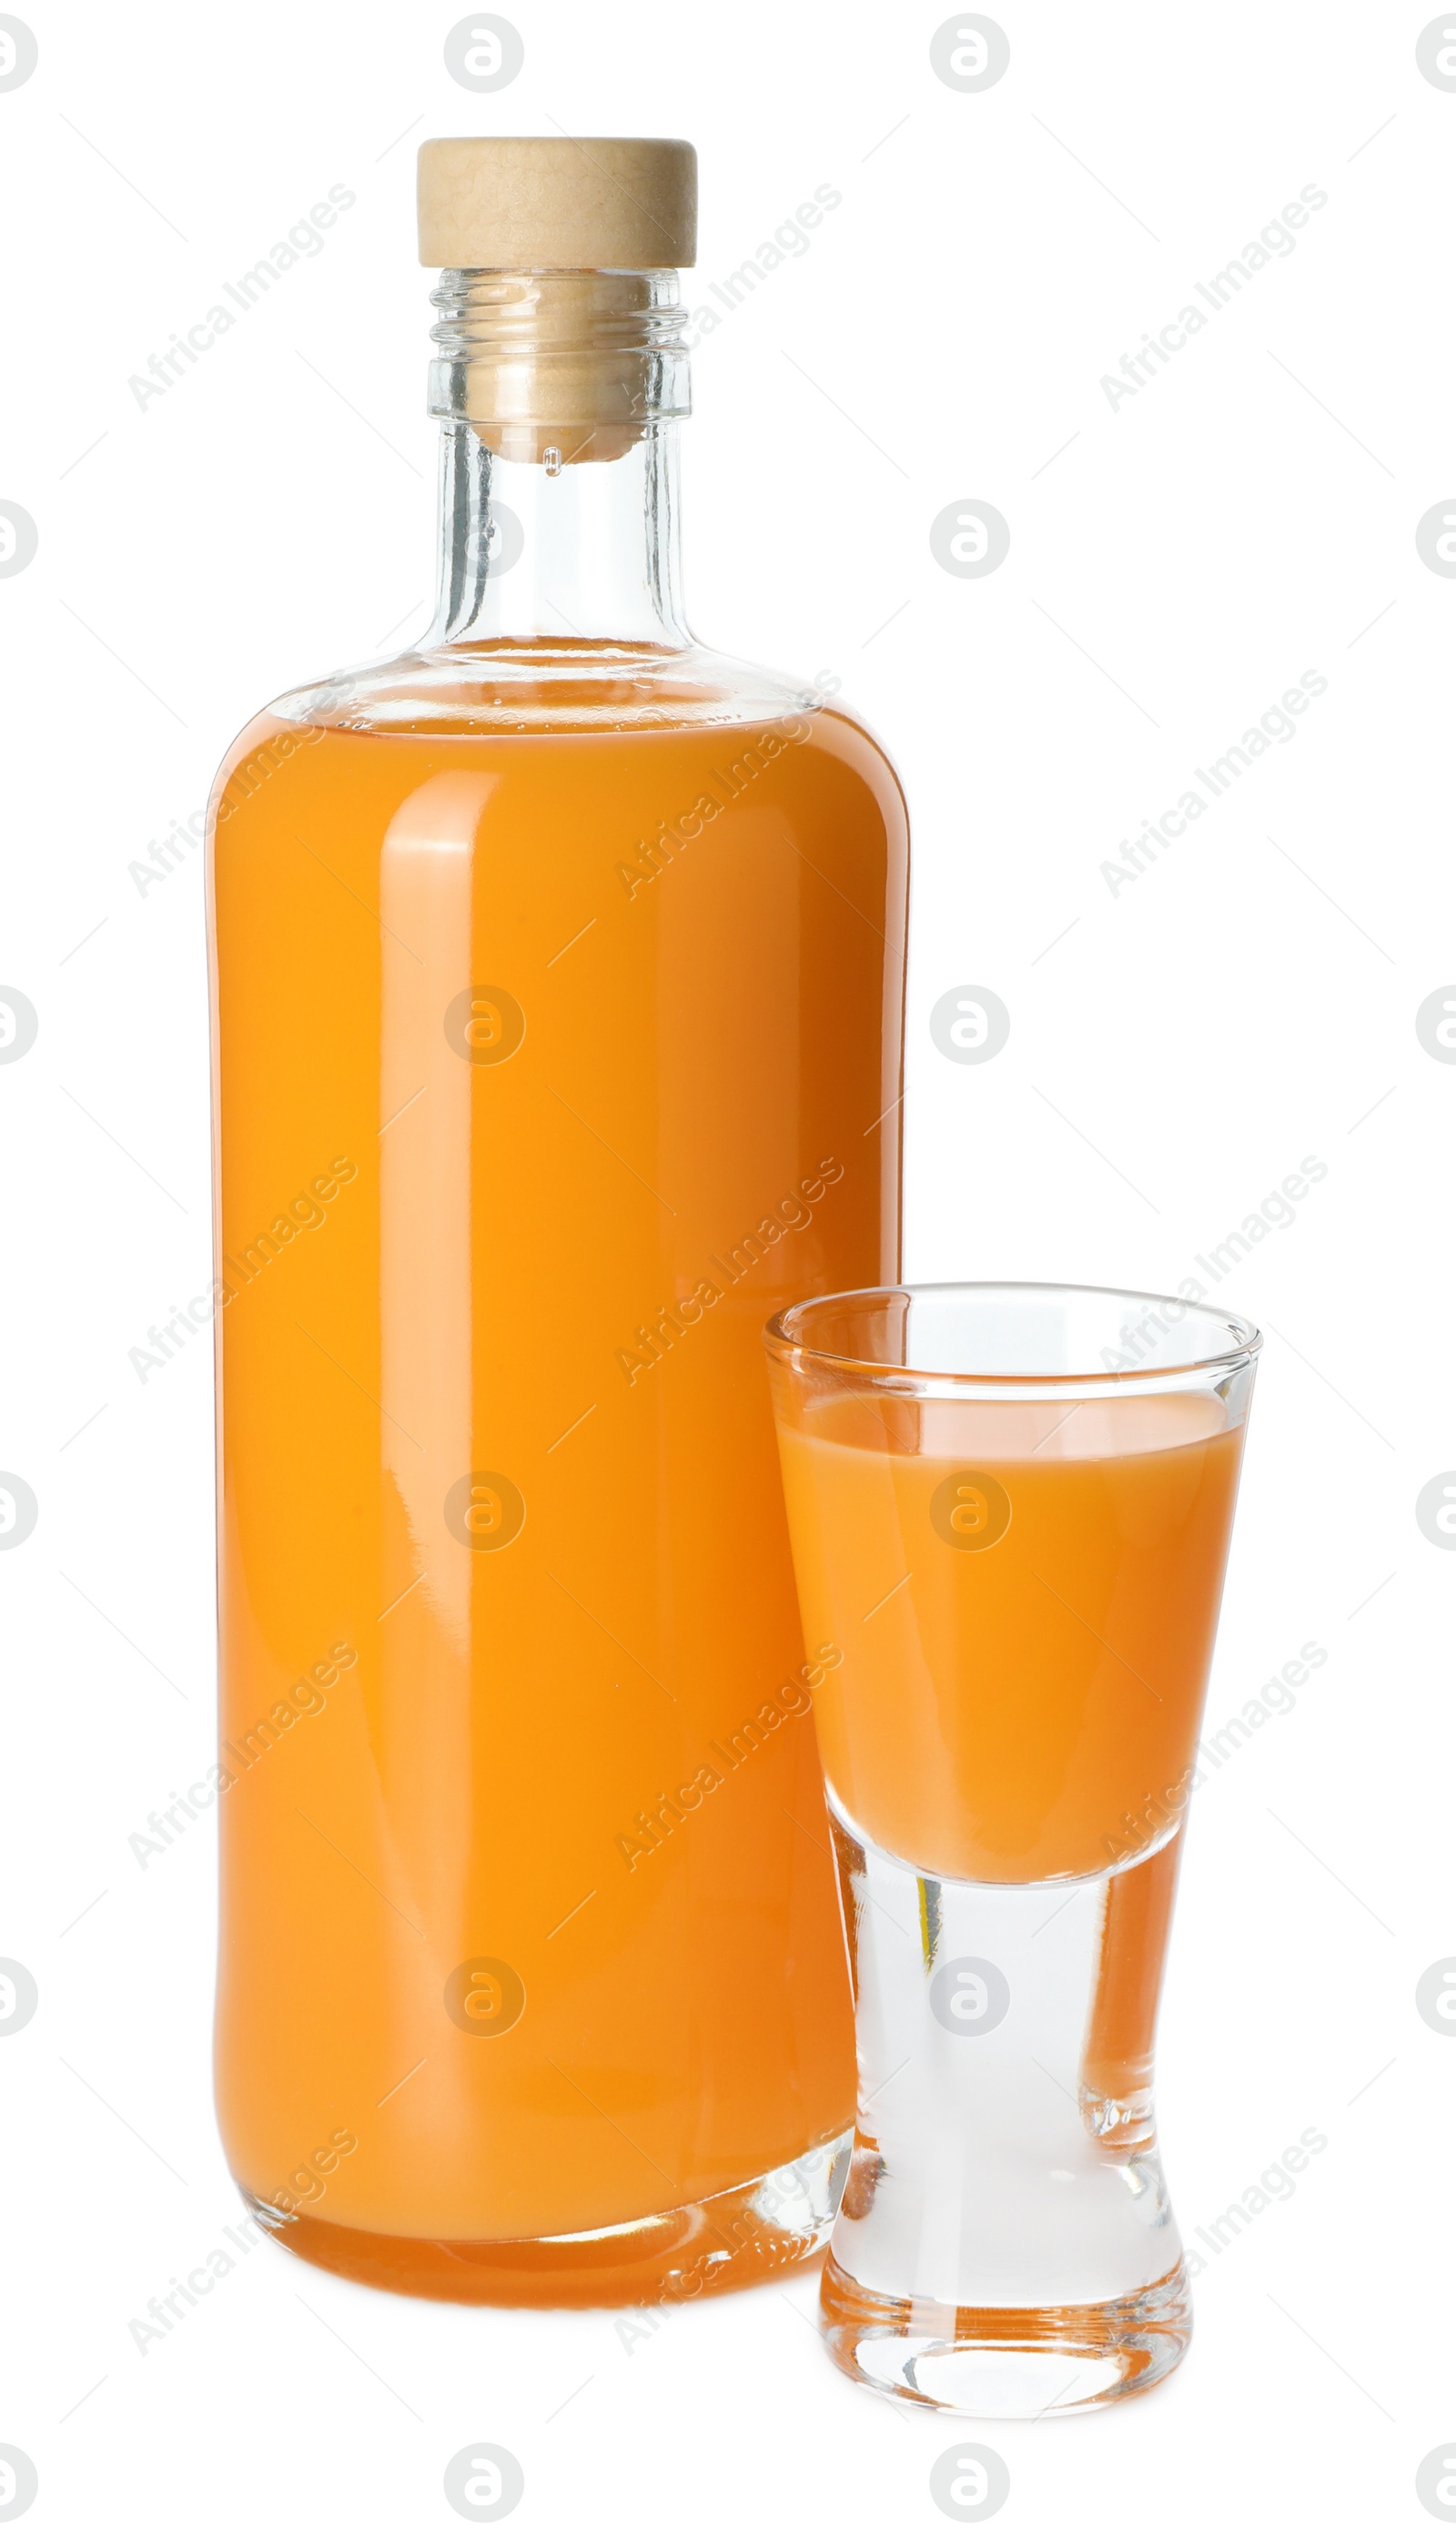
[(694, 710), (547, 686)]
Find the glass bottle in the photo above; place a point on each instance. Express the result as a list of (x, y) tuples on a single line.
[(557, 972)]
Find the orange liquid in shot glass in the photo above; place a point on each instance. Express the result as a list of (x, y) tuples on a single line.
[(1026, 1595)]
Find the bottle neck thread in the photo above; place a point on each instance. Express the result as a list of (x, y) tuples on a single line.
[(558, 369)]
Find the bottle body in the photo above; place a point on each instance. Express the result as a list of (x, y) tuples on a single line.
[(550, 1060)]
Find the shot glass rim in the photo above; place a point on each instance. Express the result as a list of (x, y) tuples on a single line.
[(781, 1342)]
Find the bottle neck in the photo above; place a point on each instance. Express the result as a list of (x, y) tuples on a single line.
[(576, 553), (560, 394)]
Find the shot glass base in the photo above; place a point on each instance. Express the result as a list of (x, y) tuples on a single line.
[(1007, 2364)]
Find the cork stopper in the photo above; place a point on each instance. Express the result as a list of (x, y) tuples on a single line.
[(558, 205), (560, 334)]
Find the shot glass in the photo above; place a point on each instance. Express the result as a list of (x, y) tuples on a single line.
[(1009, 1508)]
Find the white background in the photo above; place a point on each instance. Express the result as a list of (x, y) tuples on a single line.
[(1176, 1050)]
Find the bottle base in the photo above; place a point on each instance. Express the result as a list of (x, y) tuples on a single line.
[(722, 2242), (1010, 2364)]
